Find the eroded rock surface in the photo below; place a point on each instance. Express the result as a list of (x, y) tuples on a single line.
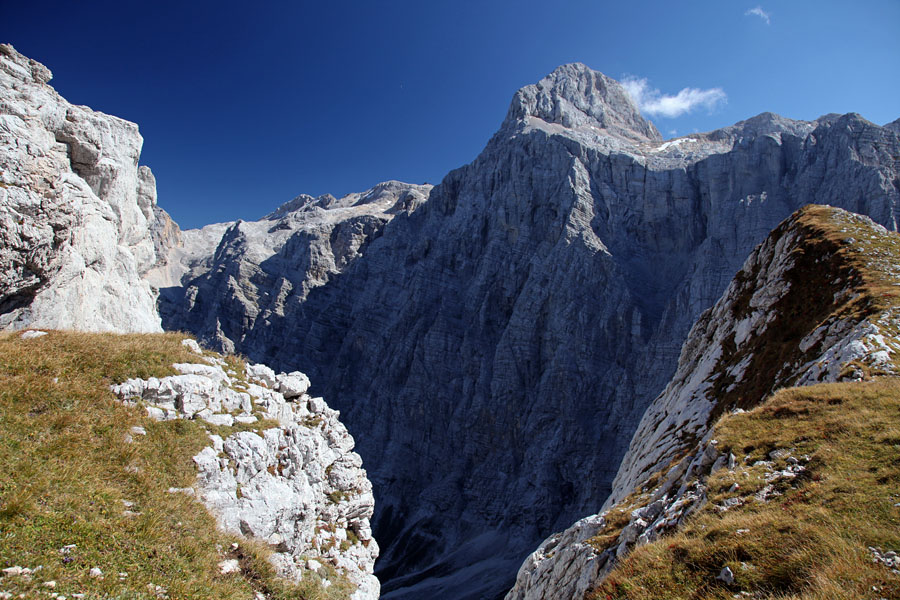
[(230, 282), (496, 348), (293, 482), (79, 224)]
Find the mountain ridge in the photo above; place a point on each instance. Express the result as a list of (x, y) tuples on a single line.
[(816, 302)]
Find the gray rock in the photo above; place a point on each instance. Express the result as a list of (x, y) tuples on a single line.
[(300, 488), (262, 374), (726, 576), (292, 385), (760, 296)]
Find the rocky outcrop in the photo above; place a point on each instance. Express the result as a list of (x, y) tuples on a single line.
[(496, 348), (815, 302), (79, 224), (292, 481)]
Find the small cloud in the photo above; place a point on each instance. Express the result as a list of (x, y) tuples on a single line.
[(758, 12), (654, 103), (673, 132)]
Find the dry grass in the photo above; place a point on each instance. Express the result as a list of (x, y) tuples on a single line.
[(65, 470), (811, 542)]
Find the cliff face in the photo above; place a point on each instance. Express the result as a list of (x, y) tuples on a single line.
[(496, 348), (816, 302), (84, 246), (79, 224)]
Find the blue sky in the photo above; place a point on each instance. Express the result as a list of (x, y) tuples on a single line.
[(244, 105)]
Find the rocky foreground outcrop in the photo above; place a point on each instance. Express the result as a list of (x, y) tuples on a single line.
[(79, 224), (293, 481), (816, 302), (495, 349)]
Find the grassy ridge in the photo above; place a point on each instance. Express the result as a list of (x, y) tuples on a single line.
[(811, 541), (68, 476)]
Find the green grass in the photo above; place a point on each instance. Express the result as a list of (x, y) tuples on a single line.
[(65, 470), (810, 543)]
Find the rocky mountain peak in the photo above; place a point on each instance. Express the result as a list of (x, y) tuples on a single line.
[(23, 68), (576, 96)]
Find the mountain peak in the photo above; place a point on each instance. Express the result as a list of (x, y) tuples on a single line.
[(574, 95)]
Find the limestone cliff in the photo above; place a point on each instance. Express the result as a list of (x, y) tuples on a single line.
[(495, 349), (79, 224), (817, 301), (293, 482)]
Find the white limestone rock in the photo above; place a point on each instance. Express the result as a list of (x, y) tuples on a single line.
[(721, 348), (299, 486), (292, 385), (78, 216)]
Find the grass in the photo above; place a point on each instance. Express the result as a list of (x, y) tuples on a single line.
[(809, 543), (65, 470)]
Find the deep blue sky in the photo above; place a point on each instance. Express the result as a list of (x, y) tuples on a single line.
[(244, 105)]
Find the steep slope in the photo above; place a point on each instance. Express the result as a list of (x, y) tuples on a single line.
[(808, 509), (496, 348), (79, 224), (817, 301)]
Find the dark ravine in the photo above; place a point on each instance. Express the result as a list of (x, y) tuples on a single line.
[(493, 349)]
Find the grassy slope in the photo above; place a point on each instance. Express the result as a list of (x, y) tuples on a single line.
[(65, 470), (812, 541)]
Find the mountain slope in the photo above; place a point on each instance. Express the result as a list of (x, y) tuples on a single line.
[(808, 511), (817, 301), (496, 348)]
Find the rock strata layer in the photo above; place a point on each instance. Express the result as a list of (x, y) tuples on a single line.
[(293, 481), (79, 224)]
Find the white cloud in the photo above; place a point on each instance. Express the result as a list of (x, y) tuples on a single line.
[(758, 12), (654, 103)]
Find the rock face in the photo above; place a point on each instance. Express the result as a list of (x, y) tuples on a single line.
[(79, 224), (495, 348), (800, 311), (295, 483)]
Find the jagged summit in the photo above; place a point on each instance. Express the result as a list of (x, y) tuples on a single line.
[(576, 96)]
